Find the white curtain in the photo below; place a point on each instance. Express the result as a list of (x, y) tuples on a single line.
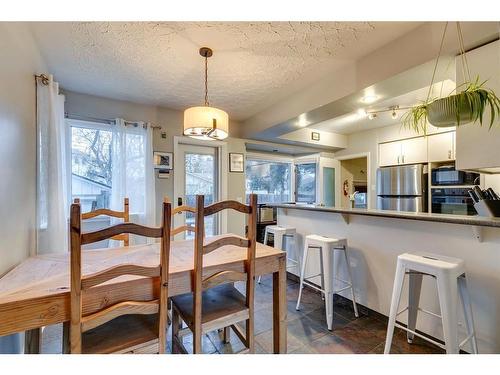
[(53, 197), (132, 172)]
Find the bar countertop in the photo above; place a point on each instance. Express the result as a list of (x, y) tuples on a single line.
[(422, 216)]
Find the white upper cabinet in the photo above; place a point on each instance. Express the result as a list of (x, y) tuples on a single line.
[(414, 150), (389, 153), (441, 147), (476, 146), (406, 151)]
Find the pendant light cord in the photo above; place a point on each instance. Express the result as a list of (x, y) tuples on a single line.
[(206, 82)]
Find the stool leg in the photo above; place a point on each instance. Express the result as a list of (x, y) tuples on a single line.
[(415, 286), (329, 310), (396, 297), (349, 274), (467, 306), (322, 273), (448, 302), (302, 273)]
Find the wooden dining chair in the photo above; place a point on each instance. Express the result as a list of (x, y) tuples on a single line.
[(127, 326), (107, 212), (215, 303)]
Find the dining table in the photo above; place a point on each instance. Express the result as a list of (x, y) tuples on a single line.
[(36, 293)]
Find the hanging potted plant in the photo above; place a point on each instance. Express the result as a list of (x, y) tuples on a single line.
[(463, 107)]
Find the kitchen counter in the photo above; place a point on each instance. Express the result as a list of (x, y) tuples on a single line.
[(377, 237), (423, 216)]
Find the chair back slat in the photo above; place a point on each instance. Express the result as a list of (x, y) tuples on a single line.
[(224, 205), (232, 240), (223, 277), (117, 271), (118, 229), (102, 211), (125, 215), (80, 323), (182, 228), (123, 308), (180, 209)]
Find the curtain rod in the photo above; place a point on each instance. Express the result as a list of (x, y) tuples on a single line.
[(104, 121)]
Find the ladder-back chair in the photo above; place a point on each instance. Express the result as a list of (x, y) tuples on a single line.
[(126, 326), (107, 212), (215, 303)]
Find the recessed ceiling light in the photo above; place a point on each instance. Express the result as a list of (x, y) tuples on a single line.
[(367, 99), (361, 112)]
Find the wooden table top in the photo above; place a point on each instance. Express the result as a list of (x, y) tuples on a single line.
[(48, 275)]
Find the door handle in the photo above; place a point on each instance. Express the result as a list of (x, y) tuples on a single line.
[(403, 158), (179, 201), (398, 159)]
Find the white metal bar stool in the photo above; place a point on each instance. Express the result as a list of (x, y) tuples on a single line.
[(326, 247), (450, 278), (281, 236)]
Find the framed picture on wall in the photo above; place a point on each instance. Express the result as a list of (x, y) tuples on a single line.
[(236, 162), (163, 160)]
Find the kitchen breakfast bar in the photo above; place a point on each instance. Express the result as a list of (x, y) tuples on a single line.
[(375, 239)]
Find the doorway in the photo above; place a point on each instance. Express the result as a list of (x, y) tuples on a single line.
[(197, 172), (354, 180)]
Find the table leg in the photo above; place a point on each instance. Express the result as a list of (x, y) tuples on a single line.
[(279, 308), (33, 341), (65, 338)]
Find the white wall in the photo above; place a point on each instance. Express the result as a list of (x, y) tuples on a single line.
[(171, 122), (20, 60)]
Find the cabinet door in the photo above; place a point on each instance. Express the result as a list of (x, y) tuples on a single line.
[(477, 146), (441, 146), (414, 150), (389, 153)]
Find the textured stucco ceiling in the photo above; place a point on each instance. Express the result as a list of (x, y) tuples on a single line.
[(254, 63)]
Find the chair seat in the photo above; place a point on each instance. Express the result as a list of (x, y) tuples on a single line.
[(218, 303), (125, 334), (274, 229), (316, 240), (432, 263)]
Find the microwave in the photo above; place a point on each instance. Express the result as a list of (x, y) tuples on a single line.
[(448, 175)]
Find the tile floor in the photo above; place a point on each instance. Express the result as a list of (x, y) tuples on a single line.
[(307, 332)]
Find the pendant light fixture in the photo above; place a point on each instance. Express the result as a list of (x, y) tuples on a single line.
[(205, 122)]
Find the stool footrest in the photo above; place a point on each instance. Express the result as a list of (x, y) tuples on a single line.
[(420, 335), (313, 286)]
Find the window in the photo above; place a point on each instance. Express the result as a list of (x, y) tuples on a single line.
[(305, 182), (270, 180), (108, 163), (91, 166)]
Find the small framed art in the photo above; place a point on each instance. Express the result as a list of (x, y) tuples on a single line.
[(163, 160), (236, 162)]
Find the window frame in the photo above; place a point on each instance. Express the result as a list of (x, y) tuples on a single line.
[(276, 159)]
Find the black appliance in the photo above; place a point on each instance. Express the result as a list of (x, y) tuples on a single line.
[(265, 216), (455, 201), (448, 175)]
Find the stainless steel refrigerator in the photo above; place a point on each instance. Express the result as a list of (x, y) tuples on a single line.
[(402, 188)]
